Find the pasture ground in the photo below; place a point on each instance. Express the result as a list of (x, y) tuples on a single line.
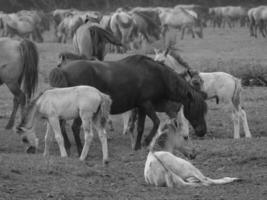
[(34, 177)]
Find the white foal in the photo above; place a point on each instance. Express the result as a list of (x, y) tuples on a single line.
[(85, 102), (220, 85), (162, 168)]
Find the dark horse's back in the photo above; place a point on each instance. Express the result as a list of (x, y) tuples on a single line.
[(129, 81)]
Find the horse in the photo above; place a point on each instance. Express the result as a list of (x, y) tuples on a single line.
[(136, 81), (163, 168), (23, 24), (219, 85), (257, 18), (182, 19), (68, 27), (122, 26), (19, 66), (170, 108), (90, 40), (87, 102), (147, 22)]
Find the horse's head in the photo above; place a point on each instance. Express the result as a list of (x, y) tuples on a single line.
[(28, 137), (161, 56), (195, 109), (195, 80), (174, 134)]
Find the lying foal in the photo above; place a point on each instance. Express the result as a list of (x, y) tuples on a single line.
[(162, 168)]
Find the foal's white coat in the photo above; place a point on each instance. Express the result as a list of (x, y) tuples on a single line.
[(69, 103), (162, 168), (221, 85)]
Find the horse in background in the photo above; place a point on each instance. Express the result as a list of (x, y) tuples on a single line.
[(219, 85), (163, 168), (90, 40), (180, 18), (122, 26), (85, 102), (257, 20), (19, 67), (122, 79)]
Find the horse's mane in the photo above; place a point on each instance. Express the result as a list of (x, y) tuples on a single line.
[(179, 59)]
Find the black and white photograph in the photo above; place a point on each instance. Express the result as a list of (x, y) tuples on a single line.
[(133, 99)]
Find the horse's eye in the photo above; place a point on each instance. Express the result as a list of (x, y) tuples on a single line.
[(186, 137)]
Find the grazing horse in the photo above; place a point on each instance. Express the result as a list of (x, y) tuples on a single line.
[(134, 82), (18, 66), (220, 85), (85, 102), (91, 41), (162, 168)]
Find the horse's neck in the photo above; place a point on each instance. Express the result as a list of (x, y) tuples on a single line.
[(32, 115), (161, 142), (172, 63)]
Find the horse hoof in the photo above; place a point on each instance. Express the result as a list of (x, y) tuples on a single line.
[(105, 163)]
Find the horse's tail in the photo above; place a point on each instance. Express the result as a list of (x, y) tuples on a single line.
[(30, 60), (104, 109), (221, 180), (236, 98), (57, 78)]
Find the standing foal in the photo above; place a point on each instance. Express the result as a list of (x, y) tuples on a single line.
[(85, 102)]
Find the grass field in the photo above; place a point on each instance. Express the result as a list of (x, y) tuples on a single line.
[(34, 177)]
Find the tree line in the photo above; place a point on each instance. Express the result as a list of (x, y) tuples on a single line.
[(47, 5)]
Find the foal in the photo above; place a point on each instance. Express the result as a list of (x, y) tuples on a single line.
[(163, 168), (85, 102), (219, 85)]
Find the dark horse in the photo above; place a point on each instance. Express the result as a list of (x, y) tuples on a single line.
[(90, 41), (18, 64), (134, 82)]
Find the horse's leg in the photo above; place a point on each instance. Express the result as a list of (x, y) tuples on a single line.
[(102, 134), (235, 117), (88, 135), (19, 98), (140, 128), (243, 117), (129, 119), (150, 111), (48, 139), (76, 127), (54, 123), (182, 34), (65, 136)]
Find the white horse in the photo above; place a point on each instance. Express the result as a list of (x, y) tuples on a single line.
[(85, 102), (162, 168), (220, 85)]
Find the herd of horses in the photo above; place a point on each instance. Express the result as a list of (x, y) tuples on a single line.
[(134, 26), (87, 89)]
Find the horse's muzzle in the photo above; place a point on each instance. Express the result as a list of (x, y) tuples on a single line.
[(200, 131), (31, 150)]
